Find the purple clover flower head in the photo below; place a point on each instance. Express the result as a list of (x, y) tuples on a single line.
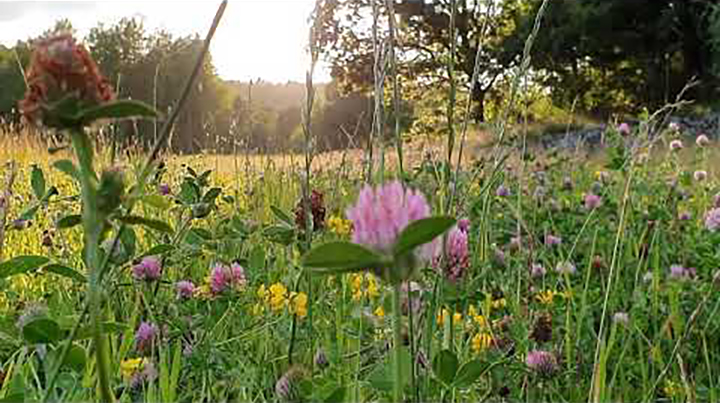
[(565, 267), (684, 216), (464, 224), (712, 219), (541, 362), (537, 270), (185, 289), (676, 145), (224, 278), (164, 189), (145, 337), (149, 269), (381, 213), (674, 126), (624, 129), (592, 201), (458, 257), (552, 240), (621, 318), (702, 140), (700, 175), (678, 271), (502, 191)]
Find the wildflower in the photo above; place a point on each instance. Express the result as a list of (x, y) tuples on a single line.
[(278, 296), (673, 389), (339, 226), (317, 210), (676, 145), (684, 216), (148, 374), (702, 140), (321, 359), (481, 342), (515, 243), (545, 297), (383, 212), (677, 271), (380, 312), (185, 289), (621, 318), (592, 201), (552, 240), (60, 66), (624, 129), (299, 305), (145, 337), (356, 282), (542, 362), (537, 270), (565, 267), (457, 256), (149, 269), (700, 175), (164, 189), (499, 303), (502, 191), (286, 388), (131, 366), (602, 176), (372, 286), (673, 126), (712, 219), (224, 278), (444, 315), (464, 224)]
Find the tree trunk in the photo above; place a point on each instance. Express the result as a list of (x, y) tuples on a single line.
[(478, 98)]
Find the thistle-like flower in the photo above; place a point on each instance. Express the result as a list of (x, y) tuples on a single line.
[(185, 289), (712, 219), (592, 201), (149, 269), (541, 362), (145, 337), (224, 278)]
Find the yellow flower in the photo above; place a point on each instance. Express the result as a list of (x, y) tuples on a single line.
[(545, 297), (258, 309), (443, 315), (380, 312), (339, 225), (457, 318), (673, 389), (278, 294), (299, 305), (499, 303), (262, 292), (481, 321), (132, 366), (481, 342)]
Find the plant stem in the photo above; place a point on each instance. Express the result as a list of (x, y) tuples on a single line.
[(397, 346), (92, 229)]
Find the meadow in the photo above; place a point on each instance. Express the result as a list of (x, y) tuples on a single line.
[(450, 270)]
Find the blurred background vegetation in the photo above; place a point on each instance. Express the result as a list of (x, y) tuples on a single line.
[(593, 60)]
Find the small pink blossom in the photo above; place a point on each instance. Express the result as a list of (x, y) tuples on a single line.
[(592, 201), (552, 240), (149, 269), (224, 278), (502, 191), (457, 256), (624, 129), (185, 289), (700, 175), (542, 362), (676, 145), (537, 270), (145, 336), (712, 219), (702, 140), (674, 126), (565, 267)]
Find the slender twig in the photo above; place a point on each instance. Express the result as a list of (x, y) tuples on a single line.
[(396, 85)]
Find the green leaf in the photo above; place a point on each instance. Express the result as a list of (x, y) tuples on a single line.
[(76, 358), (69, 221), (334, 257), (381, 378), (42, 331), (29, 213), (175, 372), (21, 265), (106, 327), (421, 232), (68, 168), (122, 109), (37, 181), (445, 366), (211, 195), (279, 233), (65, 271), (157, 201), (158, 250), (148, 222), (338, 395), (257, 258), (282, 216), (468, 374)]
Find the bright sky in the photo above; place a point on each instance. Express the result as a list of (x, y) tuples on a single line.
[(257, 38)]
